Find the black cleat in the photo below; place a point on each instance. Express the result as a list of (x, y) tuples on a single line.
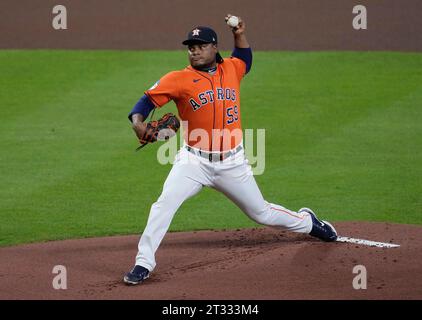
[(321, 229), (136, 276)]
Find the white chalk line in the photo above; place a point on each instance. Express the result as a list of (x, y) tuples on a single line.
[(367, 242)]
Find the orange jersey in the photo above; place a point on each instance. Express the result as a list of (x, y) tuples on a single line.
[(208, 105)]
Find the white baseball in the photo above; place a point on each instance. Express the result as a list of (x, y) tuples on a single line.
[(233, 21)]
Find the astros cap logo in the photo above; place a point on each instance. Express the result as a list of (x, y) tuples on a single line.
[(195, 32)]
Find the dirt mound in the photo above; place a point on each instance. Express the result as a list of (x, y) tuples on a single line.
[(259, 263)]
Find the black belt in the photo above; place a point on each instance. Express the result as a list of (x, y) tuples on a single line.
[(214, 156)]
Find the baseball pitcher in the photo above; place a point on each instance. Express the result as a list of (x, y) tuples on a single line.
[(207, 96)]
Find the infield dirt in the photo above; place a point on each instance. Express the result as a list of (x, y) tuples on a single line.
[(259, 263)]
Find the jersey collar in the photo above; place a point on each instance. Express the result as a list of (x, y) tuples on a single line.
[(205, 73)]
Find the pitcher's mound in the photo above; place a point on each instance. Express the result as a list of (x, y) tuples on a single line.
[(259, 263)]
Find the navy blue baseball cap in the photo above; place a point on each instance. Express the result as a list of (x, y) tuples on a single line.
[(202, 34)]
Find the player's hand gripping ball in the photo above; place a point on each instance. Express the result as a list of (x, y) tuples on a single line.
[(161, 129), (233, 21)]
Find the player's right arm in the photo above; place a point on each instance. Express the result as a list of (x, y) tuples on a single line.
[(240, 40), (242, 51)]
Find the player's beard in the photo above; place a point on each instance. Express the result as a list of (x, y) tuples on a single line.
[(204, 66)]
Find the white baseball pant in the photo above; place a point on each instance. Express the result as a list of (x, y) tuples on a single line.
[(233, 177)]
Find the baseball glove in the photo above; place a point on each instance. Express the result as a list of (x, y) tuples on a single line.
[(161, 129)]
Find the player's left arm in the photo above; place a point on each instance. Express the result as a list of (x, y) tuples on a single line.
[(242, 49), (139, 113)]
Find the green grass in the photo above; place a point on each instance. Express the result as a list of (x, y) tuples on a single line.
[(343, 136)]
